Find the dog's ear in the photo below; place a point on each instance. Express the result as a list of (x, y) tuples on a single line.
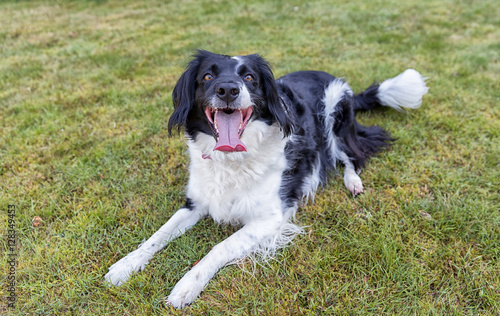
[(276, 106), (184, 93)]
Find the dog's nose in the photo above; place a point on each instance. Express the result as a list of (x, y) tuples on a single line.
[(227, 91)]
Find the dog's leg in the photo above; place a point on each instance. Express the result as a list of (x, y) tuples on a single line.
[(351, 179), (181, 221), (237, 246), (339, 118)]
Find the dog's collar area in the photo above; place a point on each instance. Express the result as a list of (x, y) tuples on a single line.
[(228, 124)]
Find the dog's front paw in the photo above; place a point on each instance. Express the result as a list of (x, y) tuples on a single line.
[(120, 272), (185, 291)]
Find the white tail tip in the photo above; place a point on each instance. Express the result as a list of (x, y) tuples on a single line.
[(404, 91)]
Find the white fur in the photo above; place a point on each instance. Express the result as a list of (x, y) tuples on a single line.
[(312, 182), (405, 90), (334, 93), (245, 99), (240, 61)]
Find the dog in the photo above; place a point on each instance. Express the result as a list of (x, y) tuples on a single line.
[(258, 147)]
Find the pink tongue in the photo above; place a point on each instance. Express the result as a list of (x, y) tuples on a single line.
[(228, 126)]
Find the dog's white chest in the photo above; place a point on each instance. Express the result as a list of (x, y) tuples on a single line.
[(238, 187)]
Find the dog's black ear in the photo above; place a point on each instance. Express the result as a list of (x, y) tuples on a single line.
[(183, 94), (276, 106)]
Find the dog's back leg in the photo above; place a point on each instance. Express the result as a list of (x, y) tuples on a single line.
[(181, 221), (341, 134), (352, 143)]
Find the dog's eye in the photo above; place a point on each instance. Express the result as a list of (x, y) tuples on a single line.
[(208, 77), (249, 77)]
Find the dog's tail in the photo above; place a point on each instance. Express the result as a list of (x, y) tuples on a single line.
[(404, 91)]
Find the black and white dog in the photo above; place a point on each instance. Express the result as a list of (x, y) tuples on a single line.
[(258, 147)]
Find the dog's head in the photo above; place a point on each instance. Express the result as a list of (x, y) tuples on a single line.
[(221, 95)]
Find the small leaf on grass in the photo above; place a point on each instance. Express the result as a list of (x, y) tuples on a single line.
[(36, 221), (425, 215)]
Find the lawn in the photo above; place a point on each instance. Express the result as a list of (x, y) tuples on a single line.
[(85, 96)]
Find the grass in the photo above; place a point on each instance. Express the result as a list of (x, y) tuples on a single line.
[(85, 94)]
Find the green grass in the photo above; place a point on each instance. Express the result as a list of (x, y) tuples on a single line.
[(85, 95)]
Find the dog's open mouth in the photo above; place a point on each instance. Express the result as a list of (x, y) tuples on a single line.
[(228, 124)]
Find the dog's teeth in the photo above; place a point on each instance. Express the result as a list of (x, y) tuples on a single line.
[(241, 120)]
